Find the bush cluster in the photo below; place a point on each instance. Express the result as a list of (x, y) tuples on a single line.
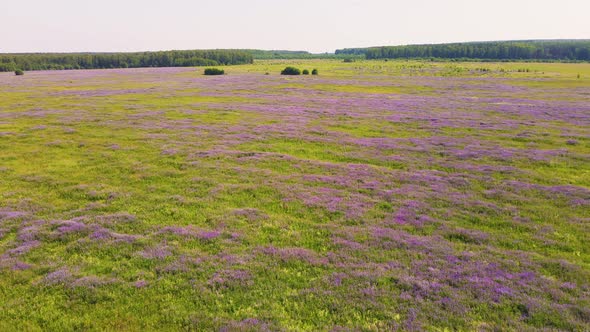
[(18, 72), (214, 71), (296, 71), (291, 71)]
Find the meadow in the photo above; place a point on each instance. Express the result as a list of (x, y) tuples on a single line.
[(376, 196)]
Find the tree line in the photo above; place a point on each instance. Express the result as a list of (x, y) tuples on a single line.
[(552, 50), (279, 54), (56, 61), (296, 55), (48, 61)]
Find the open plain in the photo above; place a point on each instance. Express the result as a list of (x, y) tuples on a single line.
[(378, 195)]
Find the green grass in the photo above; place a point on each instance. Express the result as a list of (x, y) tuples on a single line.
[(289, 191)]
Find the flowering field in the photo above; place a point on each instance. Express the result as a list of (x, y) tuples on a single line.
[(376, 196)]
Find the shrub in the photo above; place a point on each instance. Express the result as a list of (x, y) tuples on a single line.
[(305, 72), (291, 71), (19, 72), (314, 72), (214, 71), (348, 60)]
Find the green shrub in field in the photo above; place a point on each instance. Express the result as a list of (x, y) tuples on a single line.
[(291, 71), (314, 72), (348, 60), (214, 71), (305, 72), (19, 72)]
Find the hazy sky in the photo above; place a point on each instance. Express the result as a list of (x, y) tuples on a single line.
[(313, 25)]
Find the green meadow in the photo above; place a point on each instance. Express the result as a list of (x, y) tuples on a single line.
[(376, 196)]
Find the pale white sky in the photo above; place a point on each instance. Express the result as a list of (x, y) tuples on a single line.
[(312, 25)]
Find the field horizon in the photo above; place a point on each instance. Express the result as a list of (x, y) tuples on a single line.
[(558, 50)]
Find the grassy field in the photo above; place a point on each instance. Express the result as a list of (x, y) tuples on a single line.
[(377, 196)]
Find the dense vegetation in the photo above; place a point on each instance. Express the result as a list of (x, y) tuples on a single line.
[(280, 54), (544, 50), (214, 71), (296, 55), (291, 71), (553, 50), (18, 72), (49, 61), (44, 61)]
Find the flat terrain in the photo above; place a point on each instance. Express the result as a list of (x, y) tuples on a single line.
[(376, 196)]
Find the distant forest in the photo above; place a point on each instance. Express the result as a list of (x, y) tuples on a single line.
[(279, 54), (547, 50), (537, 50), (50, 61), (45, 61)]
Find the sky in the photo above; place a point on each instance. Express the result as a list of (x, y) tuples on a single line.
[(313, 25)]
